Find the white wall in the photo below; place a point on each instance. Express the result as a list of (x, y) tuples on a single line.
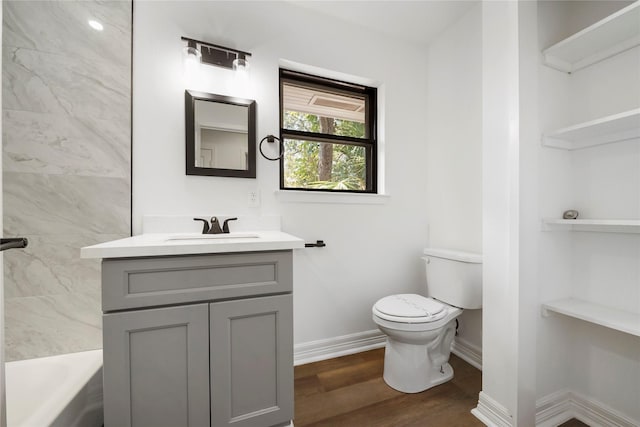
[(454, 147), (372, 249)]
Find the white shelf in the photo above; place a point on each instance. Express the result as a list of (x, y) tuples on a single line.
[(604, 316), (612, 35), (615, 128), (601, 225)]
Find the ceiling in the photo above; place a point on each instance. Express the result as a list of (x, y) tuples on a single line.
[(418, 21)]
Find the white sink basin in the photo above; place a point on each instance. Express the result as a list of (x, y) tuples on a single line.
[(226, 236)]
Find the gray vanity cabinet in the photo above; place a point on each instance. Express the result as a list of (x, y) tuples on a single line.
[(216, 356)]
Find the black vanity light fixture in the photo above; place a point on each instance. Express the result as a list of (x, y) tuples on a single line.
[(213, 54)]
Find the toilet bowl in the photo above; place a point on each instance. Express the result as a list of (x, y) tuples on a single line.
[(418, 347), (420, 329)]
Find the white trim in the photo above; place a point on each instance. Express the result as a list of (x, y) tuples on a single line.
[(326, 73), (553, 409), (468, 352), (225, 128), (295, 196), (558, 407), (329, 348), (491, 413)]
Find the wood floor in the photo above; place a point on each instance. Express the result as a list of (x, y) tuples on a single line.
[(349, 391)]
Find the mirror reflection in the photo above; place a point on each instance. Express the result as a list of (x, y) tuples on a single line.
[(220, 135)]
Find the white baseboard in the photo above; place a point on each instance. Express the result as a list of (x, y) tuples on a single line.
[(491, 413), (553, 410), (561, 406), (468, 352), (337, 346), (329, 348)]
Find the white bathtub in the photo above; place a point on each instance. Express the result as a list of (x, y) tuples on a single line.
[(56, 391)]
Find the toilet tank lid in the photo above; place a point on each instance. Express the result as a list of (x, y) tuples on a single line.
[(454, 255)]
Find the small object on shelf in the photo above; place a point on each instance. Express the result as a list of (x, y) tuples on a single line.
[(570, 214)]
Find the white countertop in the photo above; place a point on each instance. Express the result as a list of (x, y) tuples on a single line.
[(158, 244)]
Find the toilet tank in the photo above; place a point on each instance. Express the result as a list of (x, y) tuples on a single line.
[(454, 277)]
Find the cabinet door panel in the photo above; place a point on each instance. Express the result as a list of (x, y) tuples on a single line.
[(252, 362), (156, 367)]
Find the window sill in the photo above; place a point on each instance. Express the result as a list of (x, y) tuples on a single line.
[(293, 196)]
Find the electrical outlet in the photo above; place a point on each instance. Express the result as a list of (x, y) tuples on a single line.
[(253, 199)]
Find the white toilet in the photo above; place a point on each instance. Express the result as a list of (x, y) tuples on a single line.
[(420, 329)]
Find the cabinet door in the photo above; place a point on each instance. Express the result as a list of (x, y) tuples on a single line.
[(252, 362), (156, 367)]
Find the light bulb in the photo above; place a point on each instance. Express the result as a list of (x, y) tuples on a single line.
[(241, 74), (191, 61), (240, 64)]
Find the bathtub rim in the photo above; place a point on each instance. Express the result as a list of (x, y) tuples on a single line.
[(84, 366)]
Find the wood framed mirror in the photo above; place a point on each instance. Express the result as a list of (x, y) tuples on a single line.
[(220, 135)]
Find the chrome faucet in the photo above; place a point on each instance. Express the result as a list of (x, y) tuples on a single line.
[(214, 228)]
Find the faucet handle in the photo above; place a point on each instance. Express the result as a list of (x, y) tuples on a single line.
[(205, 225), (225, 225)]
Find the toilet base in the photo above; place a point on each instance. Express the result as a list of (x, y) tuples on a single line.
[(408, 368)]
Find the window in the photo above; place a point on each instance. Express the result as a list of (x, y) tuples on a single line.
[(328, 131)]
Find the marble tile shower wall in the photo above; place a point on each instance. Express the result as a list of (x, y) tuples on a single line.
[(66, 103)]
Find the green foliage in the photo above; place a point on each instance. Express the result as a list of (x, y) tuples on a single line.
[(348, 167), (301, 121), (349, 128)]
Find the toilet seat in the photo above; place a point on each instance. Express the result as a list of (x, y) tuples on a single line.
[(409, 308)]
